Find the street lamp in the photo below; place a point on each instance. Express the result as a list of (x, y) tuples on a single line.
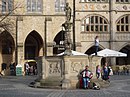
[(16, 42), (74, 46)]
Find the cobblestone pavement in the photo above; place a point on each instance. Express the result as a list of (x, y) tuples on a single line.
[(17, 86)]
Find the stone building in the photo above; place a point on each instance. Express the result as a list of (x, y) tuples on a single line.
[(35, 28)]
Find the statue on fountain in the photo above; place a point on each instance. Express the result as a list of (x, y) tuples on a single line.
[(67, 26)]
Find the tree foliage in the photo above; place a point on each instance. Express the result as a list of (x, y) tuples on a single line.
[(6, 22)]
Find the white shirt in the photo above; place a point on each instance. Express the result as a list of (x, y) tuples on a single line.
[(96, 42)]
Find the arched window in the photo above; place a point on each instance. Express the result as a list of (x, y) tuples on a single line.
[(60, 5), (94, 23), (123, 24)]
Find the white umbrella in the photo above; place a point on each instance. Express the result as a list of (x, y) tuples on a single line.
[(73, 53), (110, 53)]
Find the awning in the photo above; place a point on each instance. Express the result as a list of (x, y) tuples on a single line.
[(110, 53), (73, 53)]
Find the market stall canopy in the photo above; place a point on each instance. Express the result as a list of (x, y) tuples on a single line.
[(73, 53), (31, 61), (110, 53)]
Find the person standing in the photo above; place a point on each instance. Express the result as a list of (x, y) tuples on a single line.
[(86, 76), (106, 72), (96, 44), (27, 67), (12, 68), (98, 71), (4, 66)]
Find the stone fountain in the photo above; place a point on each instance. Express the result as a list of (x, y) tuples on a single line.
[(64, 71)]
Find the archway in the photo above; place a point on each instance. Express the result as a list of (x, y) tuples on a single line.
[(7, 47), (91, 50), (33, 46), (59, 43), (124, 60)]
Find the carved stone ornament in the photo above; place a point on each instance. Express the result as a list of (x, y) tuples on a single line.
[(125, 7), (54, 68)]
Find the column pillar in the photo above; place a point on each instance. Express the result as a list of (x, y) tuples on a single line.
[(66, 84)]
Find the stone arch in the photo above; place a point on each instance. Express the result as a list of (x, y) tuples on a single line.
[(122, 17), (90, 49), (122, 46), (59, 43), (124, 60), (33, 46), (7, 50), (96, 15)]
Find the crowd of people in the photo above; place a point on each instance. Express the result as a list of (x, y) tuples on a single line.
[(121, 69), (30, 69), (102, 73)]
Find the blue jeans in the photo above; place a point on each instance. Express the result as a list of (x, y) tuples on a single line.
[(105, 76), (85, 82), (96, 50), (98, 74)]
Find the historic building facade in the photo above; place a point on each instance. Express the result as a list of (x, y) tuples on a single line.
[(33, 28)]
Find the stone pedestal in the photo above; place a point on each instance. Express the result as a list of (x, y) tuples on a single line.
[(64, 71), (66, 84)]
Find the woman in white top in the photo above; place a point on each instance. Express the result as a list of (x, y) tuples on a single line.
[(96, 44)]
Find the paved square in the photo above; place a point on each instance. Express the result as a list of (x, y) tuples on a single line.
[(17, 86)]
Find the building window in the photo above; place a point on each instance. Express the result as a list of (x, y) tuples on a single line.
[(94, 1), (94, 23), (34, 5), (60, 5), (123, 24), (7, 5), (123, 1)]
